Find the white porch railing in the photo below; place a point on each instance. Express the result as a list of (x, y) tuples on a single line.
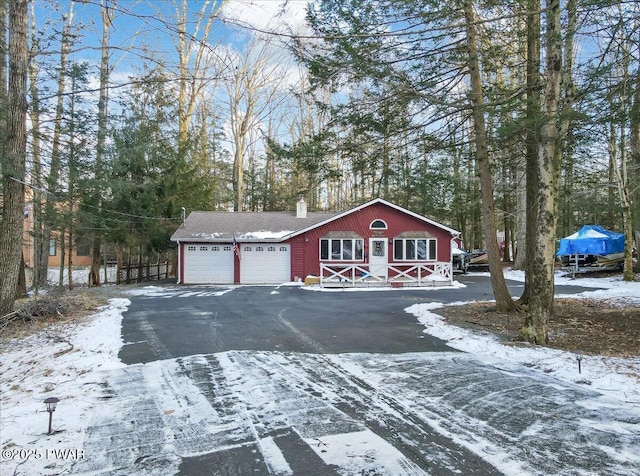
[(399, 274)]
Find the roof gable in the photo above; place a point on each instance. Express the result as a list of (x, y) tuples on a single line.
[(368, 204)]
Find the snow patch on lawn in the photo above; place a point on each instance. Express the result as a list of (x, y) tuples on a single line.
[(617, 378), (66, 361)]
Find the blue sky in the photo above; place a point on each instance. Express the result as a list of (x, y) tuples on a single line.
[(147, 23), (146, 28)]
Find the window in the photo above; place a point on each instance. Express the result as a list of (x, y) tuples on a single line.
[(378, 225), (215, 248), (415, 249), (203, 248), (191, 248), (83, 247), (247, 248), (378, 248), (259, 248), (227, 248), (52, 247), (271, 248), (283, 248), (341, 249)]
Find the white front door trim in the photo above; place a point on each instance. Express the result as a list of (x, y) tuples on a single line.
[(378, 256)]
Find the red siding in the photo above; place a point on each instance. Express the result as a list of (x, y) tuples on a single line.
[(297, 257), (359, 222)]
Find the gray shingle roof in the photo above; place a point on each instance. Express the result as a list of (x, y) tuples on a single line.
[(244, 226)]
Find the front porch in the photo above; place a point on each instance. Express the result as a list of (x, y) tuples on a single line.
[(409, 274)]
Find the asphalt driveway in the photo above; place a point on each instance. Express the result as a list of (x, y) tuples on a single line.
[(193, 320), (285, 381)]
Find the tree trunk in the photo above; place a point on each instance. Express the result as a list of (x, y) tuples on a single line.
[(50, 212), (238, 174), (3, 77), (504, 303), (634, 159), (521, 218), (541, 282), (94, 273), (39, 255), (532, 142), (566, 134), (70, 250), (15, 149), (621, 170), (507, 212), (21, 291)]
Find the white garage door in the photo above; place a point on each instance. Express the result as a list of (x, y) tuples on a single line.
[(265, 263), (208, 264)]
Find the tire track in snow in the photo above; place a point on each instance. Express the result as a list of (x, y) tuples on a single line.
[(299, 335), (386, 416)]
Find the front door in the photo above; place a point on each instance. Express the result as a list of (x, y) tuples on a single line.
[(378, 256)]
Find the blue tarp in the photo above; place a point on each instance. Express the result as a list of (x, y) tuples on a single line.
[(592, 240)]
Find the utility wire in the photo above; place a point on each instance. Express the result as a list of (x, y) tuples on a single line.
[(95, 207)]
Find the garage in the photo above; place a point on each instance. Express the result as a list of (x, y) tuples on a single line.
[(265, 263), (208, 264)]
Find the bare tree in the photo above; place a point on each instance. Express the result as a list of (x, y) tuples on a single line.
[(251, 91), (50, 212), (14, 155), (105, 70), (39, 255), (192, 48)]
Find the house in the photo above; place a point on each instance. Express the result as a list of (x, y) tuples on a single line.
[(80, 253), (377, 243)]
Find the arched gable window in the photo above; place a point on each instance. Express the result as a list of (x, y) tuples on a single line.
[(378, 225)]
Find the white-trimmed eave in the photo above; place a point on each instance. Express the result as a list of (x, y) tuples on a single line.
[(451, 231), (217, 239)]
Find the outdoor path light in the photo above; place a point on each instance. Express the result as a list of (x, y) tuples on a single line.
[(51, 403), (579, 357)]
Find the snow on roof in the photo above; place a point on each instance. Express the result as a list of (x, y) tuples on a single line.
[(244, 226)]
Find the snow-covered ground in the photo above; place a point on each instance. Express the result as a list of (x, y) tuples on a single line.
[(79, 275), (78, 363), (619, 378)]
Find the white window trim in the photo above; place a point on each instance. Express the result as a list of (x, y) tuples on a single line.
[(404, 249), (341, 240), (385, 227)]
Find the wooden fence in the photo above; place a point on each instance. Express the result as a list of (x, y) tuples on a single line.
[(138, 273)]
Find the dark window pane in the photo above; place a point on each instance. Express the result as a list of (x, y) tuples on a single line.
[(410, 250), (433, 249), (324, 249), (397, 250)]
